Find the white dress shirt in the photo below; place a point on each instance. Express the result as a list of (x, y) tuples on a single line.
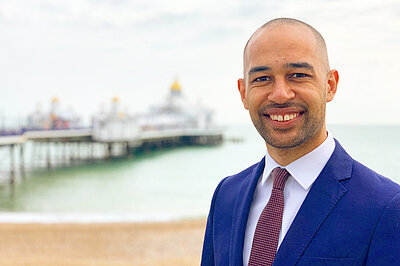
[(303, 173)]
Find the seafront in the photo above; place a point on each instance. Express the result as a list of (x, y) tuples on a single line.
[(168, 185), (100, 244), (59, 139), (111, 193)]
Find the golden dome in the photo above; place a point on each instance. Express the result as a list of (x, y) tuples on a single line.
[(54, 100), (176, 86), (115, 100)]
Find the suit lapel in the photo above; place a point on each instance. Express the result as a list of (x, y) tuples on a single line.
[(241, 213), (322, 198)]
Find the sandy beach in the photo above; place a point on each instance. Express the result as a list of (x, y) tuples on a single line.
[(166, 243)]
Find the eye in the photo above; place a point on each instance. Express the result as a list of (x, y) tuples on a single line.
[(262, 79), (299, 75)]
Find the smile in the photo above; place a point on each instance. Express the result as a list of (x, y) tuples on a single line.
[(284, 117)]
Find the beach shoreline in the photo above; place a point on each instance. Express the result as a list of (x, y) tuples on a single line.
[(125, 243)]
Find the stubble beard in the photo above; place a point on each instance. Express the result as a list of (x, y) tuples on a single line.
[(312, 125)]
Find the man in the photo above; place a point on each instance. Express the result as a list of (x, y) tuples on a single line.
[(307, 202)]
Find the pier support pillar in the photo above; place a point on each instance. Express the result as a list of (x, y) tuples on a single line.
[(12, 165), (109, 150), (22, 161), (78, 150), (64, 153), (48, 155), (128, 151), (91, 149)]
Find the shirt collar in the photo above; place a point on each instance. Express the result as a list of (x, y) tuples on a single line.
[(307, 168)]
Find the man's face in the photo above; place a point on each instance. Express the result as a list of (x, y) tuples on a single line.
[(286, 86)]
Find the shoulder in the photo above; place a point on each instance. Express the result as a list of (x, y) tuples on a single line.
[(359, 179), (230, 186), (385, 242), (375, 186), (245, 177)]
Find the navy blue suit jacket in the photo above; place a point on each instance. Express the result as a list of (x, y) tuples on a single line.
[(351, 216)]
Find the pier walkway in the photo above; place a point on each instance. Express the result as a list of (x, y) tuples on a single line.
[(66, 147)]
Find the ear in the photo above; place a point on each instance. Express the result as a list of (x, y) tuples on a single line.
[(242, 91), (332, 80)]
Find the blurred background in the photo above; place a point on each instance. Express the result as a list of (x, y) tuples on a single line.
[(117, 110)]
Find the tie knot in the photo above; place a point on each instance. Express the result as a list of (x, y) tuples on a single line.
[(280, 176)]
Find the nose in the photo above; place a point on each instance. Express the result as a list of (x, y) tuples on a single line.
[(281, 92)]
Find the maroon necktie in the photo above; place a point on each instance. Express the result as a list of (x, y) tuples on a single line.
[(266, 237)]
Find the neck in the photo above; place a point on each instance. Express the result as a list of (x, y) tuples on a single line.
[(287, 156)]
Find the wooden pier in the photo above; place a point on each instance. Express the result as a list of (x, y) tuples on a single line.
[(12, 143), (52, 148)]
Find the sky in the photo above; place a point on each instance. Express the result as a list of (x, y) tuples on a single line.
[(85, 52)]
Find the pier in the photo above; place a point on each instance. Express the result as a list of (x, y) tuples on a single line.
[(53, 148), (56, 138), (13, 143)]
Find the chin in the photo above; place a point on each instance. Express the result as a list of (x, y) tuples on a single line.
[(283, 139), (283, 144)]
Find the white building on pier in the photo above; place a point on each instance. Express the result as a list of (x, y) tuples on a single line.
[(114, 125), (176, 112)]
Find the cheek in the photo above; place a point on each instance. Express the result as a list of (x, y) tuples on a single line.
[(253, 104), (256, 97), (317, 101)]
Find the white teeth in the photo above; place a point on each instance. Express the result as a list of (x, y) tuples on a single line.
[(281, 118)]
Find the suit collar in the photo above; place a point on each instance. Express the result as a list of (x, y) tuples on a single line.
[(322, 198), (241, 213)]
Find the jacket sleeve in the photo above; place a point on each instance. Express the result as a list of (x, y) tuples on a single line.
[(385, 243), (208, 245)]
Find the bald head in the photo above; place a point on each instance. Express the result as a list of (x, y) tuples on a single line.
[(320, 48)]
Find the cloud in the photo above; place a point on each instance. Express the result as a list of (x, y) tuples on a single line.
[(87, 51)]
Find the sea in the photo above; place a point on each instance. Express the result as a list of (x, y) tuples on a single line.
[(168, 184)]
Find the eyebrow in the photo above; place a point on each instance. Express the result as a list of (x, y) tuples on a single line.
[(258, 69), (299, 65)]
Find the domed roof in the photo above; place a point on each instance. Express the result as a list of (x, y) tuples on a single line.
[(176, 86)]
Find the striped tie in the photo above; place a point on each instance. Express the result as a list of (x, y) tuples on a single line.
[(266, 237)]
